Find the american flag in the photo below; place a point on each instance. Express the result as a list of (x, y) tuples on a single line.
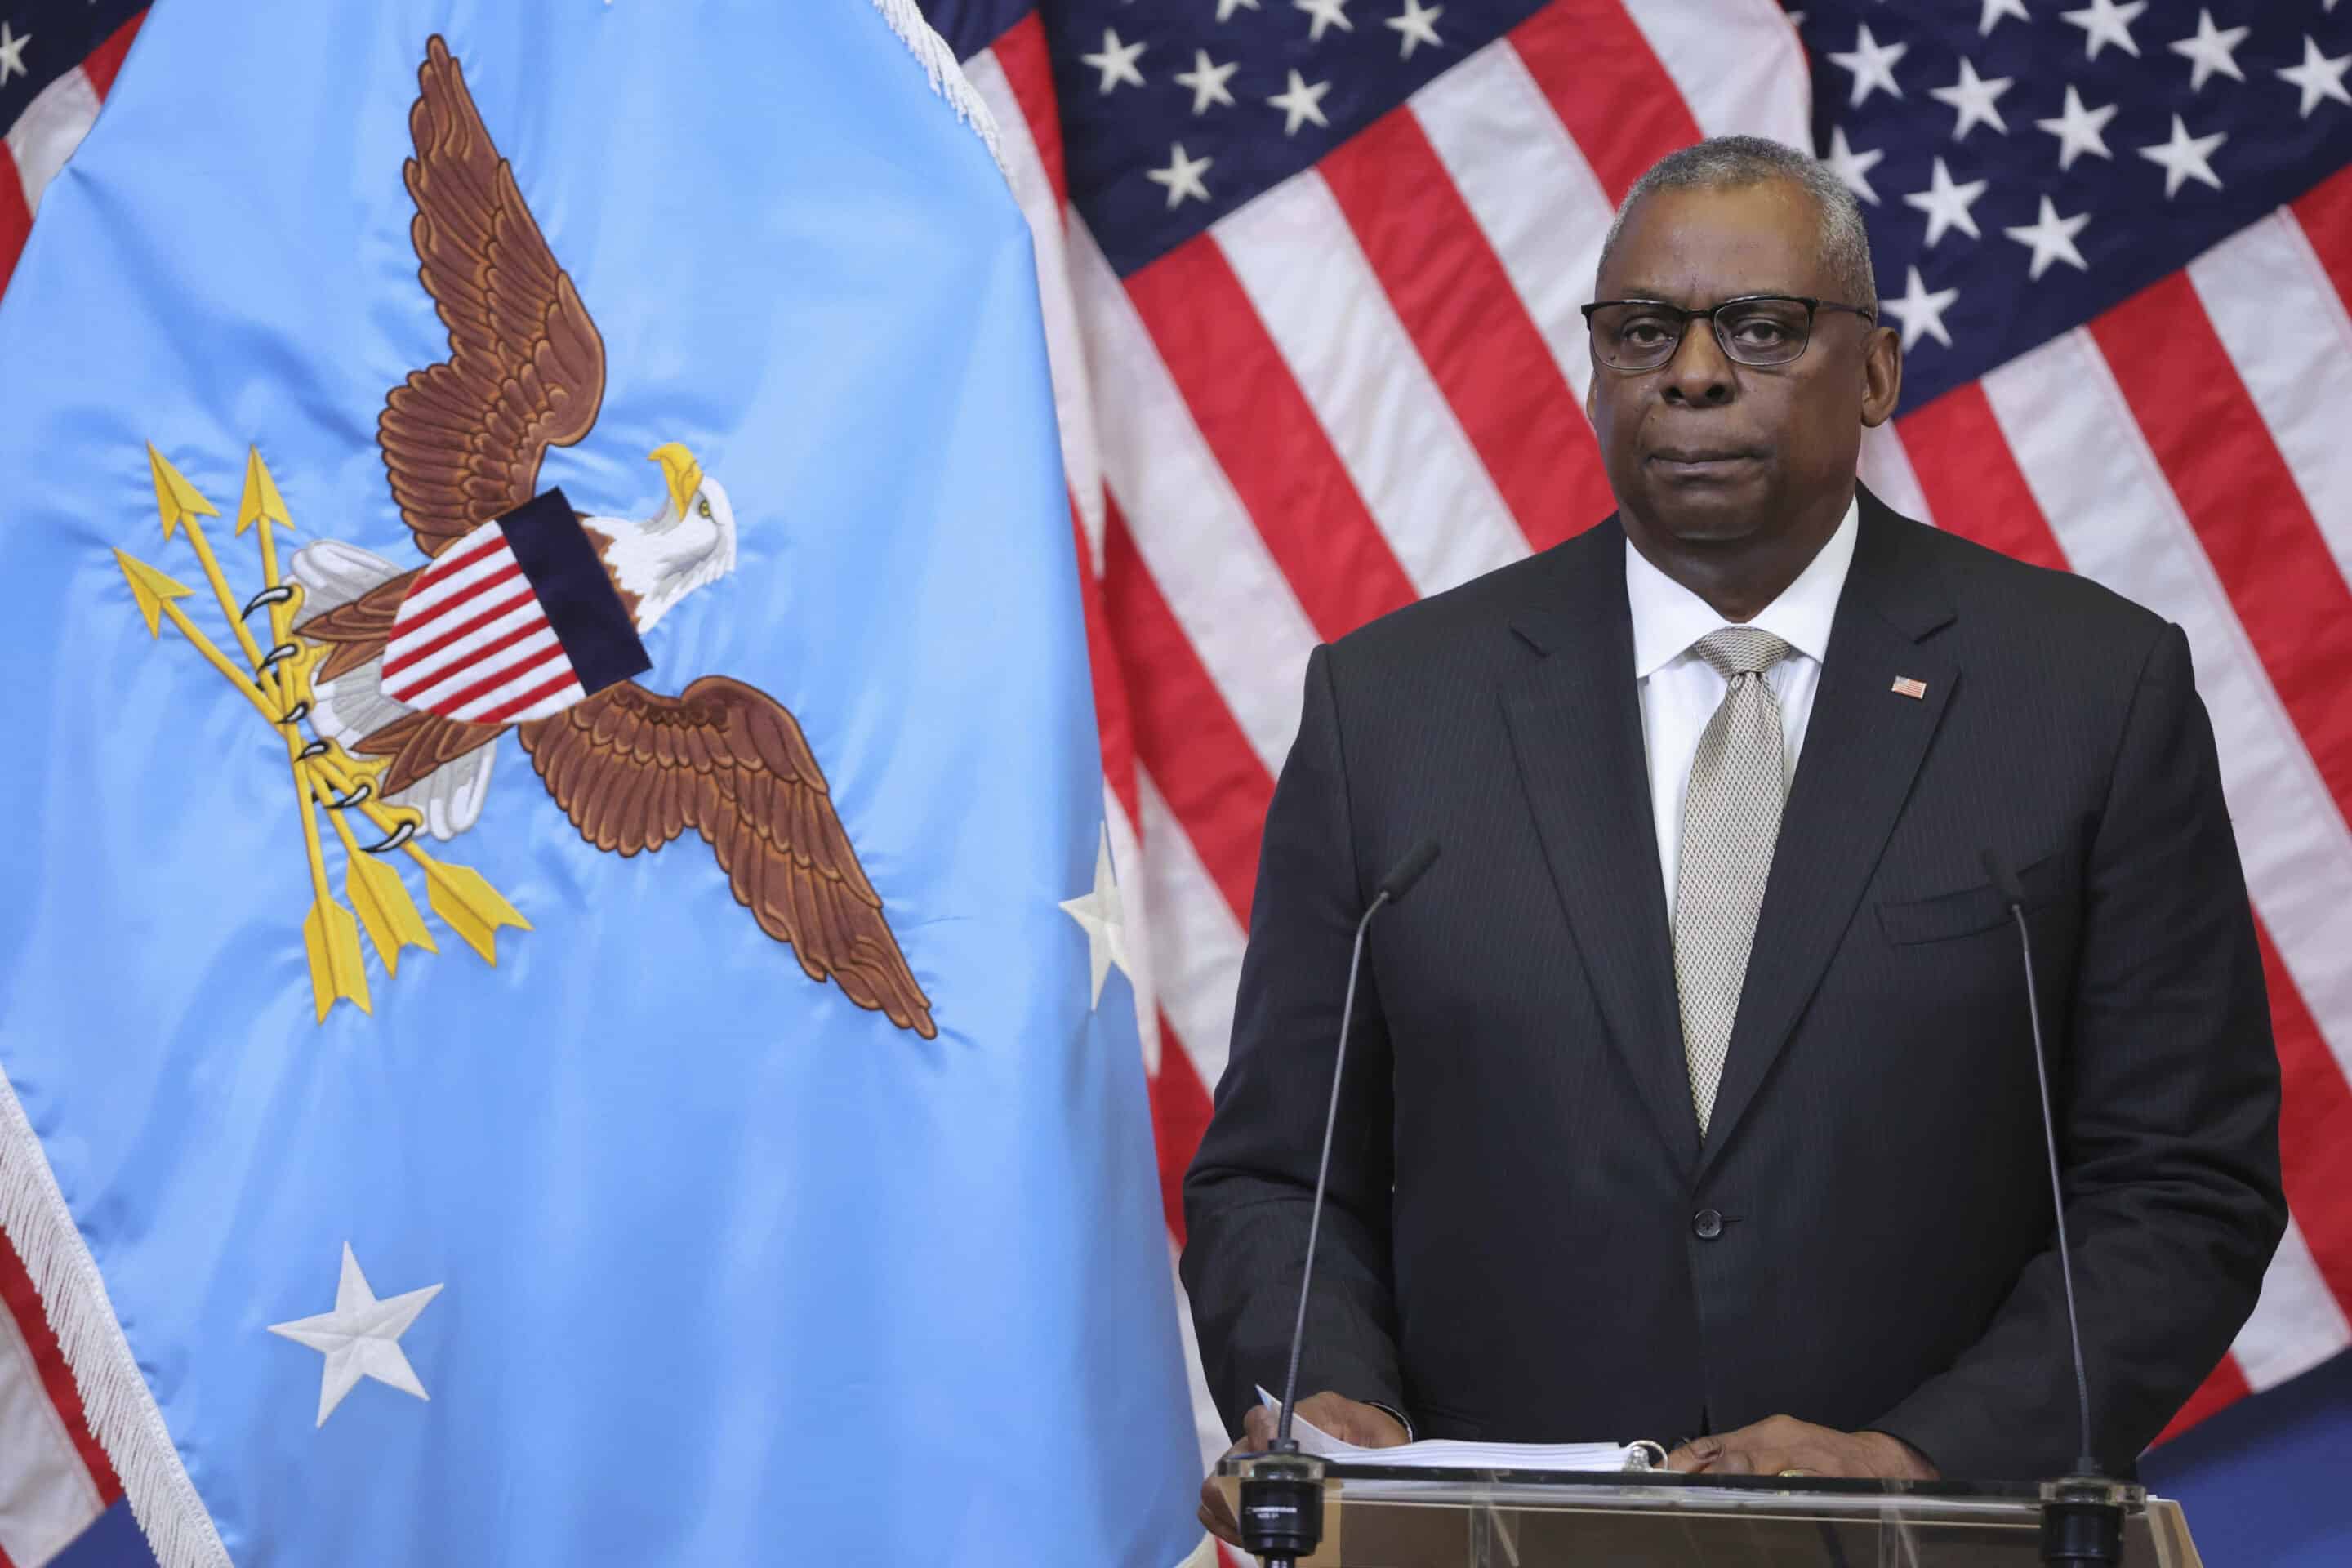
[(1311, 270)]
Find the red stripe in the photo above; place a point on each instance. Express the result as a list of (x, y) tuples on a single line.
[(21, 1301), (1266, 437), (410, 655), (1474, 332), (1185, 736), (2326, 214), (2314, 1128), (404, 629), (1111, 722), (481, 542), (1620, 106), (508, 710), (15, 217), (498, 679), (497, 644), (1971, 480), (1029, 72), (1180, 1114), (106, 60), (2226, 1386), (2242, 501)]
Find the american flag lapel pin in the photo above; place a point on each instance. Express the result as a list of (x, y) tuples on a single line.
[(1907, 687)]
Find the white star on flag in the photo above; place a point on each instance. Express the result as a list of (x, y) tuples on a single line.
[(1225, 8), (1116, 61), (1182, 176), (2103, 23), (2213, 50), (1301, 102), (1207, 82), (1418, 25), (1872, 65), (1974, 98), (1994, 10), (2052, 239), (12, 53), (2183, 157), (2078, 128), (2318, 76), (1103, 920), (1327, 14), (1945, 203), (1921, 312), (361, 1338), (1851, 166)]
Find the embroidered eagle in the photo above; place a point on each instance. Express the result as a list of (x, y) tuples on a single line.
[(428, 666)]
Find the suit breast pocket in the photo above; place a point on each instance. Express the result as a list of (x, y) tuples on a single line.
[(1947, 917)]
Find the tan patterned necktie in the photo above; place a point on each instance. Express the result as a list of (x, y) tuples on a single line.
[(1731, 818)]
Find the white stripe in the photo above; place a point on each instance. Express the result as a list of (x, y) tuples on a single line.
[(523, 680), (1323, 305), (1205, 554), (1539, 204), (2297, 1323), (417, 609), (440, 689), (1196, 943), (418, 676), (2279, 317), (48, 132), (555, 701), (2090, 469), (46, 1498), (1073, 397), (1208, 1427), (1887, 470), (1127, 863), (1737, 64)]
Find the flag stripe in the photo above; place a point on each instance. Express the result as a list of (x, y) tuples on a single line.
[(508, 672), (1469, 326), (2323, 216), (1607, 87), (2315, 1127), (1733, 62), (15, 215), (1337, 330), (48, 132), (105, 62), (402, 669), (1971, 480), (1199, 938), (2238, 495), (1028, 73), (2296, 1324), (1299, 498), (1220, 584), (2271, 307), (542, 698), (1184, 733), (497, 644)]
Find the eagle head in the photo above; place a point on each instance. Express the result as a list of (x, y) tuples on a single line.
[(688, 543)]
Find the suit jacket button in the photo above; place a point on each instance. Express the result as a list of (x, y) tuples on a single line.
[(1706, 1225)]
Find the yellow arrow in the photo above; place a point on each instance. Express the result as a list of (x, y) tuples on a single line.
[(176, 499), (262, 503), (464, 897), (381, 897), (337, 973), (152, 589)]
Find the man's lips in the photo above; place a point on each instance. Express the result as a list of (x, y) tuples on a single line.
[(1701, 457)]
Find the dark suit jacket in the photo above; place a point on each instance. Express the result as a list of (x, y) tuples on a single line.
[(1529, 1241)]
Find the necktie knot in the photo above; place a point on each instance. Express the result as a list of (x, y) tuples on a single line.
[(1736, 651)]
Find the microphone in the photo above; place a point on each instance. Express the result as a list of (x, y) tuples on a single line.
[(2082, 1524), (1282, 1505)]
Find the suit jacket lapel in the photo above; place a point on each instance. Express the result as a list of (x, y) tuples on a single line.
[(1863, 746), (1576, 732)]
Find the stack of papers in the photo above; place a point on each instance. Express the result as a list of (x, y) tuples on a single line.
[(1445, 1453)]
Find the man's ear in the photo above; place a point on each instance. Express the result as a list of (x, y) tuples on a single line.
[(1882, 376)]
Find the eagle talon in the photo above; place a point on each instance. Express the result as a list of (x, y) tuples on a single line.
[(366, 792), (315, 749), (282, 593), (276, 655), (296, 714), (398, 836)]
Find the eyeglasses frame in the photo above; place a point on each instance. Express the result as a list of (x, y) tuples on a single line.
[(1813, 308)]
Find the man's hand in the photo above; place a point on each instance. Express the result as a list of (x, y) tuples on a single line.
[(1783, 1442), (1346, 1419)]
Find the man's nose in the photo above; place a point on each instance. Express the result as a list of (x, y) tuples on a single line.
[(1699, 374)]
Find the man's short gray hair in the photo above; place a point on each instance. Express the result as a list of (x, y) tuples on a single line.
[(1731, 163)]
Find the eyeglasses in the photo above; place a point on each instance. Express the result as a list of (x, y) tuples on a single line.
[(1755, 329)]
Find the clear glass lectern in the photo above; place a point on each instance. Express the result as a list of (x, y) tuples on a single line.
[(1382, 1517)]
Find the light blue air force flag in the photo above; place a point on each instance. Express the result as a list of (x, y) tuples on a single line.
[(537, 1020)]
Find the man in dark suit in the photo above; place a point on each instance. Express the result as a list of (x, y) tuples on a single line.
[(1691, 1095)]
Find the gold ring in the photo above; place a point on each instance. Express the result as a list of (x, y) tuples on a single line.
[(1796, 1472)]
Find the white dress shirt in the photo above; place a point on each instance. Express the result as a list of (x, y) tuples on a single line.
[(1680, 691)]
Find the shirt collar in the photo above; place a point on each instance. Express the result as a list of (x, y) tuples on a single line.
[(1668, 617)]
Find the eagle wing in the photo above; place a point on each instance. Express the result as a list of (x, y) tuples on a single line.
[(463, 440), (634, 770)]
